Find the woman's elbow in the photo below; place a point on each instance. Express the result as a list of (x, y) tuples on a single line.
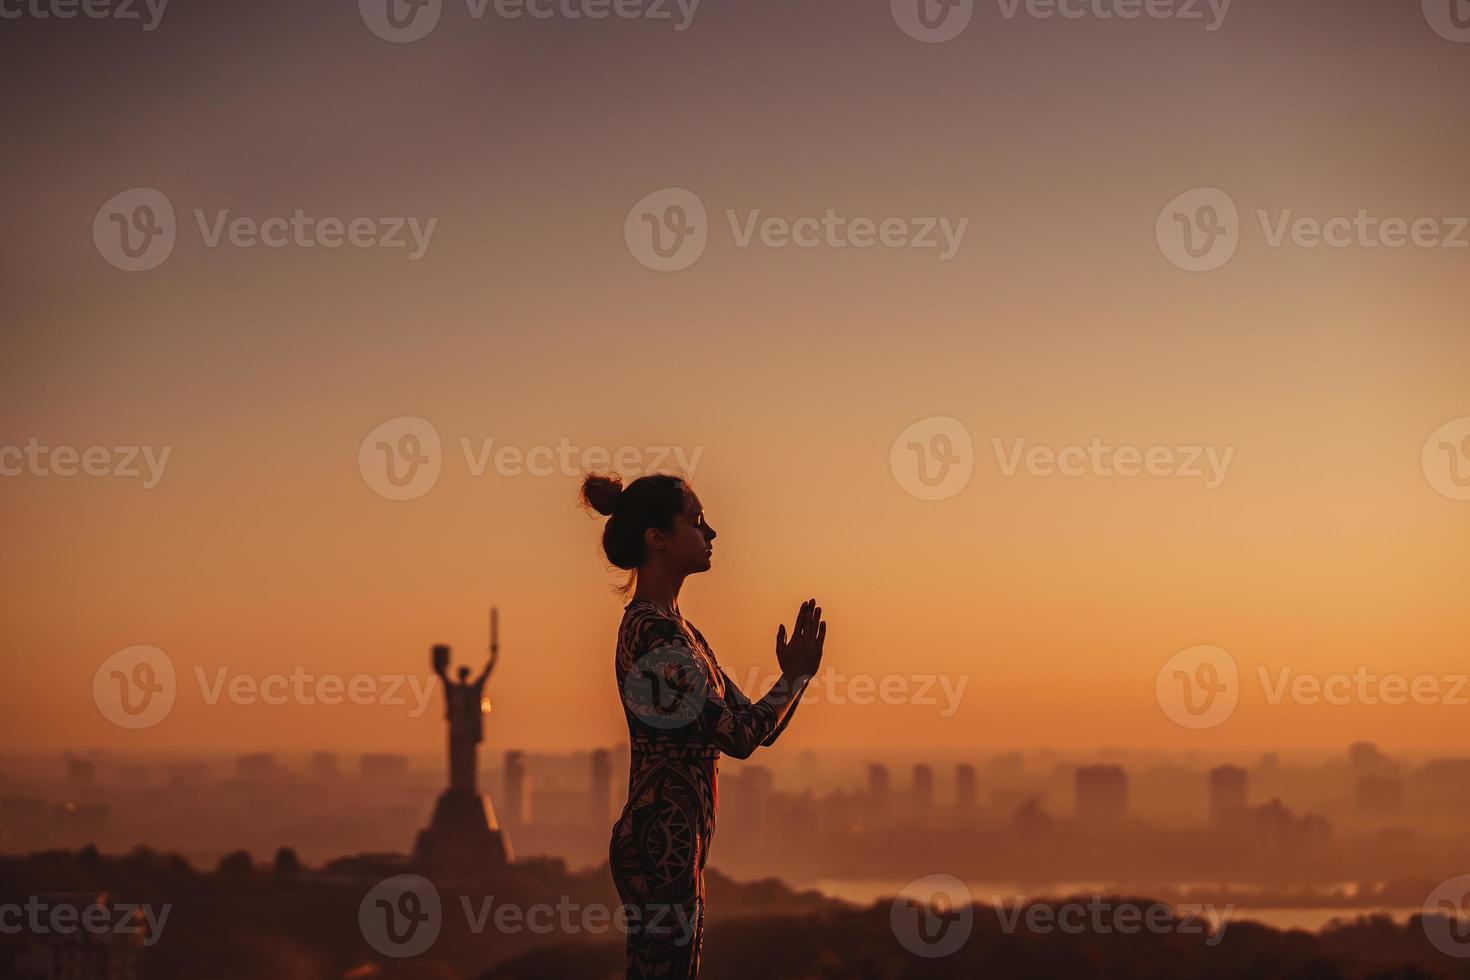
[(740, 750)]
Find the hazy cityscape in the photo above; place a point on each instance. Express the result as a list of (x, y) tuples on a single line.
[(1350, 831)]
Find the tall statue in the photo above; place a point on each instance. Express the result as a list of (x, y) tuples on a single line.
[(463, 836), (465, 706)]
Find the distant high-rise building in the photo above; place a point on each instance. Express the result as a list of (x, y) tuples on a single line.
[(1102, 794), (1365, 757), (601, 809), (1278, 829), (878, 780), (1229, 786), (924, 785), (756, 789), (964, 786), (621, 764), (517, 788)]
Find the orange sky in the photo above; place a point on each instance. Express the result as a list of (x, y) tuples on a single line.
[(264, 549)]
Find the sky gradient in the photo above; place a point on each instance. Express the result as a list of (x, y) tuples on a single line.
[(791, 371)]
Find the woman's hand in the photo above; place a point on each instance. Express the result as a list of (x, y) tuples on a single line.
[(801, 655)]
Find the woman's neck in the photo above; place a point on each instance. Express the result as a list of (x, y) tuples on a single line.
[(660, 589)]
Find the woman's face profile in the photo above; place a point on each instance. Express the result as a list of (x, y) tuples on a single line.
[(689, 541)]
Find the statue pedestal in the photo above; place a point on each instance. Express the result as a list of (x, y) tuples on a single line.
[(463, 836)]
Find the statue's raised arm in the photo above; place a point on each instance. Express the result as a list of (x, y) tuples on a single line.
[(494, 646)]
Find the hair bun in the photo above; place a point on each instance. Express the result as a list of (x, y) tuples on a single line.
[(602, 493)]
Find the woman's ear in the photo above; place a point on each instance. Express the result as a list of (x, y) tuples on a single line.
[(655, 540)]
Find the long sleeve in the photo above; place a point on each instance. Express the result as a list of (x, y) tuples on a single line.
[(733, 693), (668, 691)]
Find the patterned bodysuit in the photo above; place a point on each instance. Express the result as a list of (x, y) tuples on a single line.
[(683, 711)]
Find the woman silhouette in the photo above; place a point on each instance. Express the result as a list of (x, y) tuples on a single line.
[(683, 711)]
